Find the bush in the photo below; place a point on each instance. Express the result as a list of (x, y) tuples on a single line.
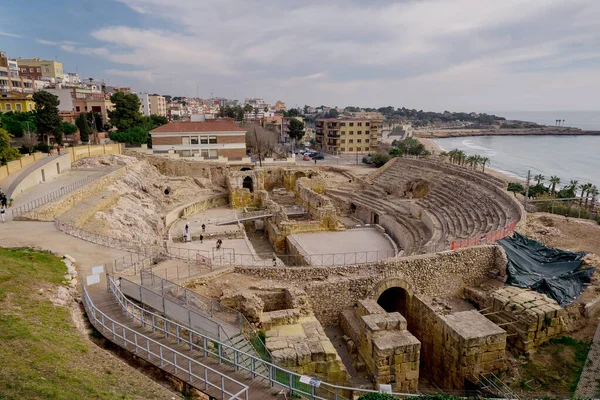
[(42, 147), (135, 135), (380, 159)]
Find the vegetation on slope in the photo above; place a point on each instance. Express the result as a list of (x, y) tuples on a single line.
[(42, 353)]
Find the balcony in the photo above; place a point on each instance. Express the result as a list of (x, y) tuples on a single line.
[(319, 132), (319, 124), (333, 133)]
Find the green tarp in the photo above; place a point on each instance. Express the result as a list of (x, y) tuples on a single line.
[(554, 272)]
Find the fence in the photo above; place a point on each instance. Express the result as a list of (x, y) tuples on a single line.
[(489, 237), (236, 322), (103, 240), (257, 367), (47, 198), (192, 370), (574, 207), (133, 263)]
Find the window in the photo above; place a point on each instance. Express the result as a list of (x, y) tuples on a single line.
[(343, 141), (342, 124), (203, 139), (358, 148), (47, 70), (367, 123), (77, 108), (351, 149), (359, 132), (212, 139), (8, 107), (30, 107), (38, 70), (351, 123), (359, 124), (194, 140), (185, 140), (351, 141), (352, 132), (204, 153), (358, 140), (366, 140), (30, 69), (19, 107), (214, 154)]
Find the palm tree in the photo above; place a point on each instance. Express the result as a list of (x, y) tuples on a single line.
[(594, 192), (585, 187), (539, 178), (573, 185), (554, 180), (587, 193), (484, 161), (563, 124)]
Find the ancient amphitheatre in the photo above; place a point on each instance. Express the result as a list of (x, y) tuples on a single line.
[(355, 276)]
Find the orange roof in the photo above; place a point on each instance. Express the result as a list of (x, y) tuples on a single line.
[(217, 125)]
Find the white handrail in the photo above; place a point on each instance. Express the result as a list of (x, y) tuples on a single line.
[(124, 341), (334, 391)]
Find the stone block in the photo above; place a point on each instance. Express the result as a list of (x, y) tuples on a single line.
[(368, 307), (302, 353), (317, 353), (329, 350), (284, 357)]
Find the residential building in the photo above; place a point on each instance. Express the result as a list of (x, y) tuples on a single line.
[(285, 123), (14, 101), (373, 115), (279, 106), (145, 103), (115, 89), (96, 102), (71, 78), (158, 105), (35, 68), (347, 135), (209, 139), (256, 103), (393, 132), (65, 97)]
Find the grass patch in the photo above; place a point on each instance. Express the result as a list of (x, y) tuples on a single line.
[(42, 354), (557, 365)]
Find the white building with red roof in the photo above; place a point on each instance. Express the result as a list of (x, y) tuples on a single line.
[(209, 139)]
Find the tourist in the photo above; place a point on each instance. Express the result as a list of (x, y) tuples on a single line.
[(186, 232), (203, 228), (274, 261), (219, 244), (201, 238), (58, 149), (3, 200), (2, 212)]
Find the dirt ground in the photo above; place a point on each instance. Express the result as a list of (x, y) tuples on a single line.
[(214, 287)]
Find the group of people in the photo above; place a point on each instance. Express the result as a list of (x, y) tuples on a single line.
[(3, 205), (187, 235)]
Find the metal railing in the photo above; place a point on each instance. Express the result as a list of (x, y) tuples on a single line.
[(235, 320), (49, 197), (135, 262), (193, 371), (237, 359), (102, 240)]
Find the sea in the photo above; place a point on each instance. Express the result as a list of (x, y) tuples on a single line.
[(568, 157)]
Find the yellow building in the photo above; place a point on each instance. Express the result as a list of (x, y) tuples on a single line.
[(158, 105), (18, 102), (347, 135), (35, 67)]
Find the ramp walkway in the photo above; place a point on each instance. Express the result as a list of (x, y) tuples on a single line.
[(254, 215), (10, 183)]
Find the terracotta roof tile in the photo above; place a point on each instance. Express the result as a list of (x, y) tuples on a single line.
[(222, 125)]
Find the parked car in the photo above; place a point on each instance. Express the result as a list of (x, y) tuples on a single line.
[(367, 160), (306, 158), (317, 156)]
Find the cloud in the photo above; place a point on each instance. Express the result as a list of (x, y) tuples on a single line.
[(366, 53), (10, 34)]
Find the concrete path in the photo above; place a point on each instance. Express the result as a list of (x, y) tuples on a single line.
[(9, 183), (589, 382)]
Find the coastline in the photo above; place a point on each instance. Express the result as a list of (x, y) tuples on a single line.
[(434, 148), (544, 131)]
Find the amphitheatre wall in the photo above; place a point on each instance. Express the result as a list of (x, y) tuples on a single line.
[(309, 195), (332, 289), (51, 211)]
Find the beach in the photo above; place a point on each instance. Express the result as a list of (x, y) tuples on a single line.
[(433, 147)]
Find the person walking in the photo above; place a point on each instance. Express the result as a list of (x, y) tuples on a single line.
[(2, 212), (203, 228), (201, 238), (219, 243), (58, 149), (186, 232), (3, 200)]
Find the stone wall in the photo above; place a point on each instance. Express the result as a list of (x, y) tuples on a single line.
[(381, 341), (46, 172), (104, 204), (333, 289), (529, 317), (51, 211), (309, 195)]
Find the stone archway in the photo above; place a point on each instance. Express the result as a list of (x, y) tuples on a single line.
[(394, 295), (248, 183)]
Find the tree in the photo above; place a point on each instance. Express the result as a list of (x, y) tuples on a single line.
[(248, 108), (554, 180), (333, 113), (296, 129), (84, 122), (293, 112), (260, 141), (594, 192), (28, 144), (539, 178), (484, 161), (515, 187), (574, 184), (69, 129), (380, 159), (158, 120), (126, 113), (589, 188), (266, 109), (7, 153), (138, 135), (47, 120)]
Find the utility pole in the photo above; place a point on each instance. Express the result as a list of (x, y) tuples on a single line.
[(527, 190)]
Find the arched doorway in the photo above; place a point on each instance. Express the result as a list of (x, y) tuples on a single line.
[(247, 184), (394, 299), (246, 169)]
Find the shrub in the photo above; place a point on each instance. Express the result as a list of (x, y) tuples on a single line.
[(137, 135), (380, 159)]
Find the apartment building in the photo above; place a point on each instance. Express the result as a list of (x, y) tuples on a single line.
[(18, 102), (158, 105), (10, 79), (347, 135), (85, 101), (209, 139), (35, 68), (144, 103)]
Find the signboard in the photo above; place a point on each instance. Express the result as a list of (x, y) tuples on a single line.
[(92, 279), (385, 389), (310, 380), (98, 270)]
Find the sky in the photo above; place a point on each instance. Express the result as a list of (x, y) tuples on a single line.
[(457, 55)]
